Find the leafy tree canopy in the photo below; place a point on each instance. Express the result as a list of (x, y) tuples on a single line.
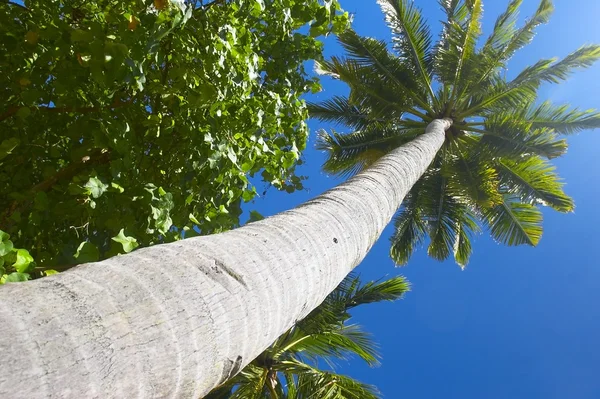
[(124, 123)]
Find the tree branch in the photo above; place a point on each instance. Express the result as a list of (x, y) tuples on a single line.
[(82, 110)]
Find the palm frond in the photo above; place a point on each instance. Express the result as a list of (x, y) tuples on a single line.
[(339, 110), (498, 95), (469, 33), (411, 37), (410, 227), (505, 40), (561, 119), (348, 154), (290, 385), (392, 70), (505, 27), (374, 291), (250, 383), (525, 35), (462, 246), (534, 181), (367, 89), (471, 178), (449, 6), (450, 55), (337, 343), (447, 217), (513, 222), (313, 383), (553, 71), (509, 138)]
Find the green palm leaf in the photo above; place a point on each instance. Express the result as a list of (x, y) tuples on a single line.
[(505, 41), (504, 29), (366, 88), (348, 154), (410, 224), (394, 71), (553, 72), (411, 36), (339, 110), (503, 137), (313, 383), (561, 119), (525, 35), (514, 223), (469, 33), (534, 181)]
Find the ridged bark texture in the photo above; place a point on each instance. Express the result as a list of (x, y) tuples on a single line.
[(176, 320)]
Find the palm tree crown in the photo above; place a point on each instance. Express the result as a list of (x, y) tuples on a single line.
[(493, 169), (288, 369)]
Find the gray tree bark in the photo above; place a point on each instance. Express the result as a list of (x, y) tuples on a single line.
[(176, 320)]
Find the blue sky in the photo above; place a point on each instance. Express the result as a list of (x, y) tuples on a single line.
[(518, 322)]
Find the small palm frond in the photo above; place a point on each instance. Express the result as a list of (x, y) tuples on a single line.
[(410, 226), (553, 71), (366, 87), (348, 154), (463, 249), (534, 181), (513, 222), (467, 36), (339, 110), (411, 37), (561, 119), (291, 386), (356, 294), (335, 342), (505, 28), (498, 95), (471, 178), (446, 55), (313, 383), (250, 383), (503, 137), (373, 54), (505, 40), (449, 7), (525, 35), (447, 216)]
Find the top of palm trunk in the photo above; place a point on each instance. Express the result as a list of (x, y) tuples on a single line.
[(494, 168)]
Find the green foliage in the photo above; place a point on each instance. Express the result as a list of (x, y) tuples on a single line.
[(148, 117), (493, 169), (17, 264), (288, 369)]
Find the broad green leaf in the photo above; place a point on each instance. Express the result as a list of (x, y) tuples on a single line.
[(6, 247), (95, 187), (23, 262), (15, 277), (129, 243)]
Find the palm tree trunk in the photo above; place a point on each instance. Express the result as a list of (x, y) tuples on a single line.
[(176, 320)]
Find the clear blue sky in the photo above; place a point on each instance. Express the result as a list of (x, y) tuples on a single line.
[(518, 322)]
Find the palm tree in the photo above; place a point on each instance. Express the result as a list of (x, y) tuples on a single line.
[(493, 168), (323, 336), (179, 319)]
